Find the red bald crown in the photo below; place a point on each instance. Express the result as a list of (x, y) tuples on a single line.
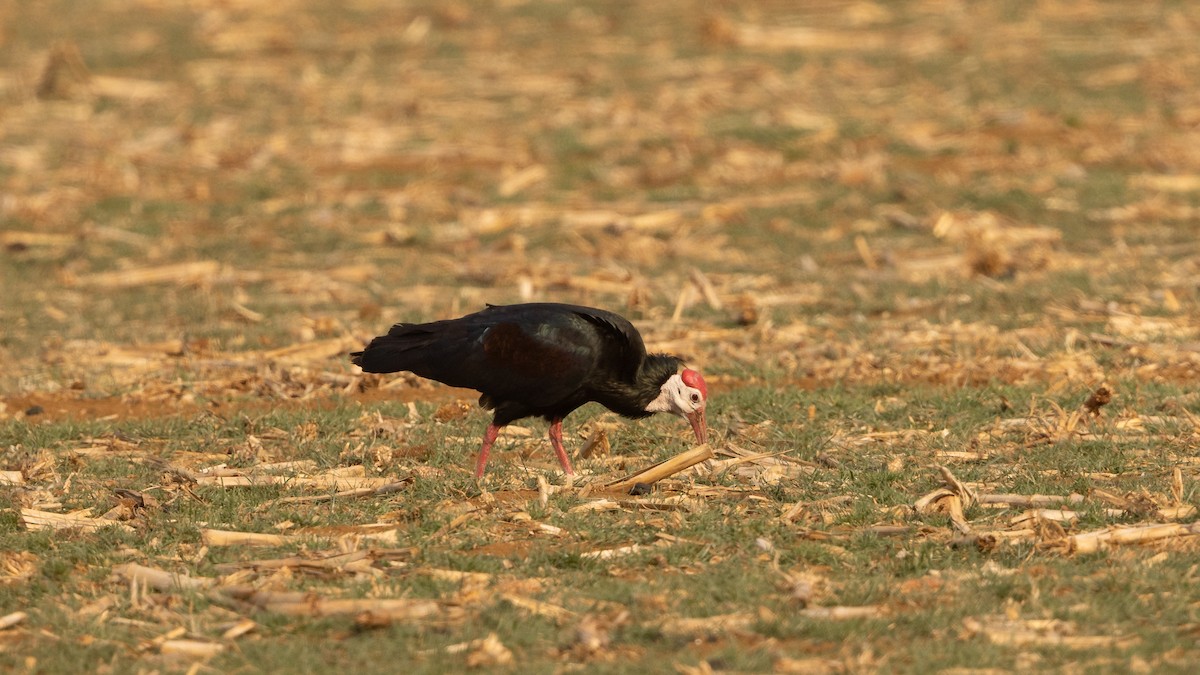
[(693, 379)]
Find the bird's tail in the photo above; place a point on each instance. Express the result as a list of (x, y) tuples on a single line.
[(405, 347)]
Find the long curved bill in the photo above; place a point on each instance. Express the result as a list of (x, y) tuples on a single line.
[(698, 425)]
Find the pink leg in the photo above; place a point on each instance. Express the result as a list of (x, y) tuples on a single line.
[(489, 438), (556, 441)]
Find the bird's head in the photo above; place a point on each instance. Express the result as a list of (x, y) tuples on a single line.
[(686, 395)]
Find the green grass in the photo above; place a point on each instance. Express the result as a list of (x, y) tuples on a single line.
[(928, 588)]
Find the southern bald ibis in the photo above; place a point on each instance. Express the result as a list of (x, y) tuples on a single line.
[(542, 359)]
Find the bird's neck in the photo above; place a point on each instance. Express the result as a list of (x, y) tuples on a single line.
[(631, 398)]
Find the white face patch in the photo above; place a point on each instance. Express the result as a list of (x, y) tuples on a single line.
[(677, 397)]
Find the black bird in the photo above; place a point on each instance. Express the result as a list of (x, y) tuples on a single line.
[(542, 359)]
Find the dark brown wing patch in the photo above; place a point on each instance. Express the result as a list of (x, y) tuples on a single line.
[(509, 346)]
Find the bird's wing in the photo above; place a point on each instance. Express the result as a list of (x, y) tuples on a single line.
[(544, 353), (625, 340), (537, 354)]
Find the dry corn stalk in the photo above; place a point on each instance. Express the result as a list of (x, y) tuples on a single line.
[(10, 620), (1090, 542), (664, 469), (1040, 632), (1028, 500), (212, 537), (41, 520), (710, 625), (180, 273), (550, 611), (197, 649)]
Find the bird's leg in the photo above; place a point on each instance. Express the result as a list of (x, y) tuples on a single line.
[(489, 438), (556, 441)]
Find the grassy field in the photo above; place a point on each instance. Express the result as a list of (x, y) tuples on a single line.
[(937, 261)]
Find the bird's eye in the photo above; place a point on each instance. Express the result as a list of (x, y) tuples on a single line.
[(695, 398)]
